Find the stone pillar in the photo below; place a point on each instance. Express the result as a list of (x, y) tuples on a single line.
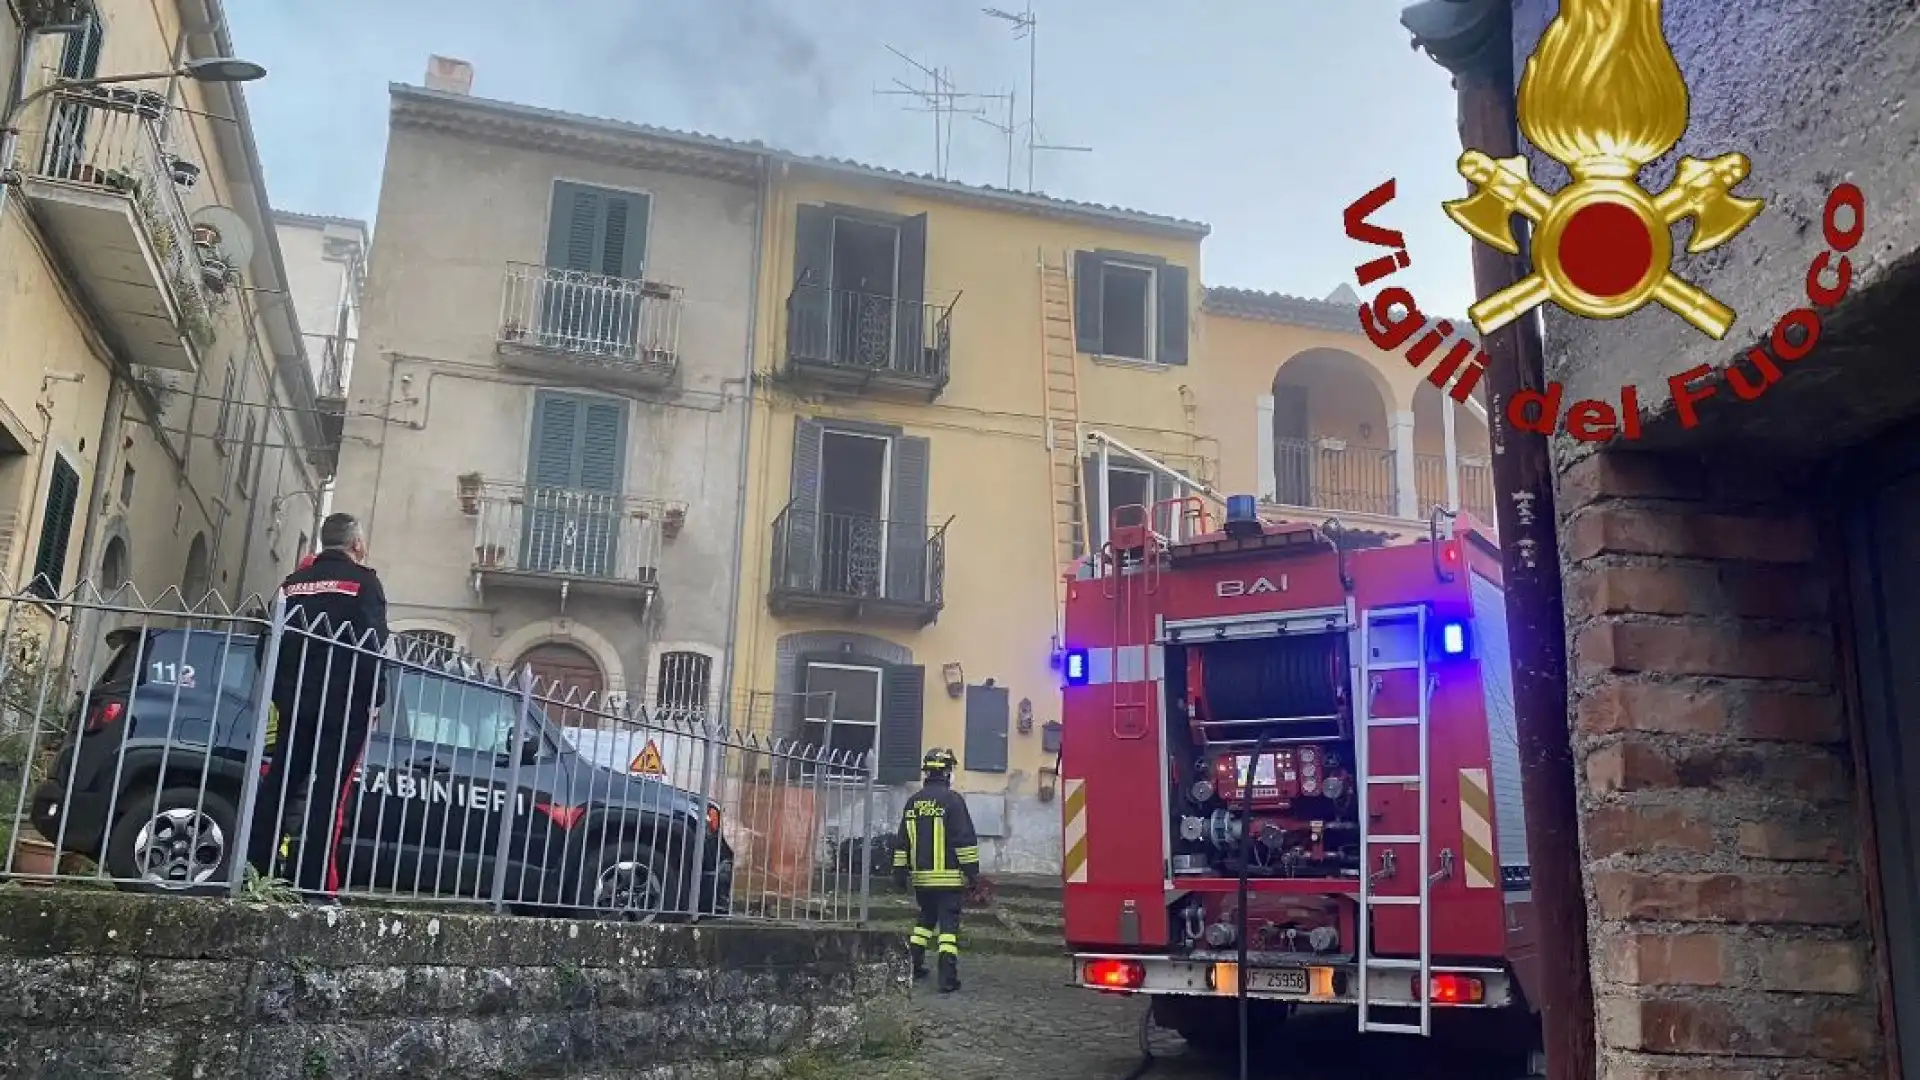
[(1406, 491), (1452, 452), (1263, 445)]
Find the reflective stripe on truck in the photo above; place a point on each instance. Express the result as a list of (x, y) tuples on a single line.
[(1453, 986)]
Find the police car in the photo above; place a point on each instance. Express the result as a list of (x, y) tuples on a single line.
[(148, 783)]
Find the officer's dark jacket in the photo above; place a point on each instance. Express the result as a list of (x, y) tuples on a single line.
[(936, 840), (336, 609)]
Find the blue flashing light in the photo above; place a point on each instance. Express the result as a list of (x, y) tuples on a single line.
[(1076, 667), (1453, 639), (1242, 508)]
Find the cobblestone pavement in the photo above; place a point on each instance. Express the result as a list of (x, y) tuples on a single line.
[(1014, 1018)]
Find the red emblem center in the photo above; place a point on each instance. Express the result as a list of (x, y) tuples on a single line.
[(1605, 250)]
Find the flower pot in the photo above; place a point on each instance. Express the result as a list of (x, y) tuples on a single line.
[(490, 555), (470, 493), (214, 272), (205, 236), (185, 174), (33, 855)]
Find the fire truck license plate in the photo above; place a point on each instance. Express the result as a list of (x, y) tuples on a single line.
[(1226, 979)]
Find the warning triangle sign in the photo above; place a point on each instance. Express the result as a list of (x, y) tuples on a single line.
[(647, 762)]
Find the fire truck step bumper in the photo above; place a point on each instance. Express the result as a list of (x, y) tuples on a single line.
[(1391, 982)]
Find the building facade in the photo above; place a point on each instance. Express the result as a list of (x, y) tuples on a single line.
[(1738, 578), (157, 414), (545, 421), (326, 259)]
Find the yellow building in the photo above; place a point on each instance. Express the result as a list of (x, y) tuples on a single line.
[(930, 361), (157, 415)]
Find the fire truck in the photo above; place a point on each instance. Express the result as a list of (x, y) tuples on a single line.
[(1289, 771)]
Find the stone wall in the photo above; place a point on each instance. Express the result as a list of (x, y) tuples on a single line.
[(1721, 819), (103, 984)]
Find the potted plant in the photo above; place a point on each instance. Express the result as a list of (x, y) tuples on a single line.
[(673, 521), (213, 270), (121, 180), (206, 236), (185, 173), (513, 331), (469, 493), (490, 555), (656, 290)]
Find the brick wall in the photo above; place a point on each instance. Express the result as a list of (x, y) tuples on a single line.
[(1719, 812)]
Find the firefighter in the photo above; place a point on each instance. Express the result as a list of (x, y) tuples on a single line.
[(938, 853), (325, 687)]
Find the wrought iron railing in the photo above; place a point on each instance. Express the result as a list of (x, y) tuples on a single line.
[(1476, 485), (858, 557), (1332, 476), (842, 328), (592, 318), (560, 531), (107, 138), (334, 369)]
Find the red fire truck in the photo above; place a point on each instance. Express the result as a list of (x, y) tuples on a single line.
[(1288, 751)]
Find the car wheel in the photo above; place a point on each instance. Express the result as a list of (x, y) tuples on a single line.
[(181, 839), (626, 881)]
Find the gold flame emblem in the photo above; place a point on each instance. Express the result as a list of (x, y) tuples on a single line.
[(1603, 96)]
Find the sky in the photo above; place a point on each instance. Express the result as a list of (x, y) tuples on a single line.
[(1263, 118)]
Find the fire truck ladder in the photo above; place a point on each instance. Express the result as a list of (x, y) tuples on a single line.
[(1060, 396), (1397, 621)]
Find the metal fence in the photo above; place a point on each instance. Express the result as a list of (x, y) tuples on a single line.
[(163, 747), (593, 318)]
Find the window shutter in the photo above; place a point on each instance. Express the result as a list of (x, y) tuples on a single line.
[(910, 275), (903, 690), (56, 529), (1173, 314), (907, 520), (799, 552), (623, 245), (1089, 277), (1096, 522), (812, 266), (603, 445), (556, 430), (987, 716)]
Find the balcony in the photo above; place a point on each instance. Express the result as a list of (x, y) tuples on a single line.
[(574, 325), (332, 357), (858, 567), (855, 341), (107, 193), (1476, 484), (1328, 474), (564, 541)]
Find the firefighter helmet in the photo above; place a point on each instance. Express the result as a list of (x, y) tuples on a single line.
[(938, 762)]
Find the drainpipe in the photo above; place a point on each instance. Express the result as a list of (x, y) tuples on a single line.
[(740, 533), (1474, 41)]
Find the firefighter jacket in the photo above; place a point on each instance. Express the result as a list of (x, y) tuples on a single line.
[(336, 627), (936, 841)]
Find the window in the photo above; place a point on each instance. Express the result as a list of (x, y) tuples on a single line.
[(841, 707), (56, 528), (126, 484), (859, 289), (596, 250), (1129, 483), (462, 715), (221, 432), (247, 459), (682, 685), (576, 469), (424, 646), (1130, 307), (857, 522)]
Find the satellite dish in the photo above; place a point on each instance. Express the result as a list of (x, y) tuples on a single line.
[(235, 238)]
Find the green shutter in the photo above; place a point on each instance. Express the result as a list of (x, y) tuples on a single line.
[(603, 445), (556, 432), (902, 720), (596, 231), (1173, 314), (56, 529), (1089, 280)]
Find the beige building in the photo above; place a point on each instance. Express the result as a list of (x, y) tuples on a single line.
[(326, 260), (544, 427), (158, 422)]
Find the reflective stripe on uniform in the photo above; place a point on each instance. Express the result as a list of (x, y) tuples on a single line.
[(1073, 840), (967, 855), (920, 938), (950, 944), (1128, 663), (939, 879), (1476, 829)]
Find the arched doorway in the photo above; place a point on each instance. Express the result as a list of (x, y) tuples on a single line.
[(1331, 444), (197, 581), (565, 672), (115, 567)]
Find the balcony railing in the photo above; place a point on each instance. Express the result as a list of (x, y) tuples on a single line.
[(333, 355), (1476, 485), (558, 534), (107, 139), (854, 563), (621, 325), (1331, 476), (855, 337)]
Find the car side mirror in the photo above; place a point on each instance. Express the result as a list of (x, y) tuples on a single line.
[(529, 749)]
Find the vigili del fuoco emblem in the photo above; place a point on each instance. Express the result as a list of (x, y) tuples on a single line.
[(1603, 96)]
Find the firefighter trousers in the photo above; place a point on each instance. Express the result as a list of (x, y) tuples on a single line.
[(939, 924)]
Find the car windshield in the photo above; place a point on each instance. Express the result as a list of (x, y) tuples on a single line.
[(452, 712)]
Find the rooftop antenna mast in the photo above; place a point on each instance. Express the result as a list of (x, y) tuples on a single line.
[(939, 98), (1008, 129), (1025, 24)]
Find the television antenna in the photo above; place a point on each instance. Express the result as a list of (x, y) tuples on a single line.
[(940, 98), (1025, 26), (1007, 130)]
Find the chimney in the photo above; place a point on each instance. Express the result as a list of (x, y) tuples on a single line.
[(449, 75)]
